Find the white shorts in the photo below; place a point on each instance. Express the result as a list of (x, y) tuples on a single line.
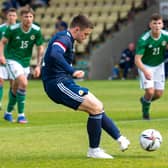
[(158, 77), (15, 69), (4, 72)]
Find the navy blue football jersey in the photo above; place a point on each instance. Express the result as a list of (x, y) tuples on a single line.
[(58, 58)]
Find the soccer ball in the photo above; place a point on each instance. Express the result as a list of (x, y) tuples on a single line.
[(150, 139)]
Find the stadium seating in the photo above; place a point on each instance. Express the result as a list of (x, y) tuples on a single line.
[(102, 12)]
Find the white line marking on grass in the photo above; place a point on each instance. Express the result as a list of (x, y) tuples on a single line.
[(141, 120)]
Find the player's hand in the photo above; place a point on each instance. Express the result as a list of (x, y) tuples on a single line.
[(78, 74), (148, 75), (2, 60), (36, 72)]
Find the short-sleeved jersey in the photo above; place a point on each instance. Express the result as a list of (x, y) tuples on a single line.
[(20, 43), (152, 50), (3, 28), (58, 58)]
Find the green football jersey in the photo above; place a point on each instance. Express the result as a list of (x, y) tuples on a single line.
[(3, 28), (20, 43), (153, 50)]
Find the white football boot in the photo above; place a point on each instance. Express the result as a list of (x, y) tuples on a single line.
[(98, 153), (123, 142)]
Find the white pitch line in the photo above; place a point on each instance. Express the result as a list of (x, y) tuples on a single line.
[(141, 120)]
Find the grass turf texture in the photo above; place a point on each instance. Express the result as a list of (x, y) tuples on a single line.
[(56, 136)]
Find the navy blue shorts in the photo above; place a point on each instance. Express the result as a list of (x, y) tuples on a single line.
[(67, 93)]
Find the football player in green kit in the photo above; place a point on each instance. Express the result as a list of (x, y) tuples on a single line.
[(150, 62), (11, 17), (21, 38)]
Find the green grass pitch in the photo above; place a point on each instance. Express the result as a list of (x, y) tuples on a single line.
[(56, 137)]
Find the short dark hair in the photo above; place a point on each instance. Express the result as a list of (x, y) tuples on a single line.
[(11, 10), (27, 9), (156, 16), (82, 21)]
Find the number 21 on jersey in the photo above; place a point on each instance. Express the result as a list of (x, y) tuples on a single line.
[(156, 51)]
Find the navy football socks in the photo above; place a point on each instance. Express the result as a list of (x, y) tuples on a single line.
[(94, 126), (109, 126)]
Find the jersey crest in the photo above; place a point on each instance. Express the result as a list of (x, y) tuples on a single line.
[(32, 37), (164, 43)]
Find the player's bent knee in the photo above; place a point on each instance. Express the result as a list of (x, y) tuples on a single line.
[(97, 109), (91, 105), (150, 93)]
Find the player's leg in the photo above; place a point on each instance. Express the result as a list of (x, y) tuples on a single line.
[(145, 100), (97, 120), (94, 125), (109, 126), (20, 98), (153, 88), (10, 105), (159, 84), (11, 95), (17, 94), (157, 95), (94, 107), (11, 102), (150, 95)]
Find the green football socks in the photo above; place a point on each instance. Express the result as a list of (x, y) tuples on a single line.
[(12, 101), (20, 97), (145, 107)]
